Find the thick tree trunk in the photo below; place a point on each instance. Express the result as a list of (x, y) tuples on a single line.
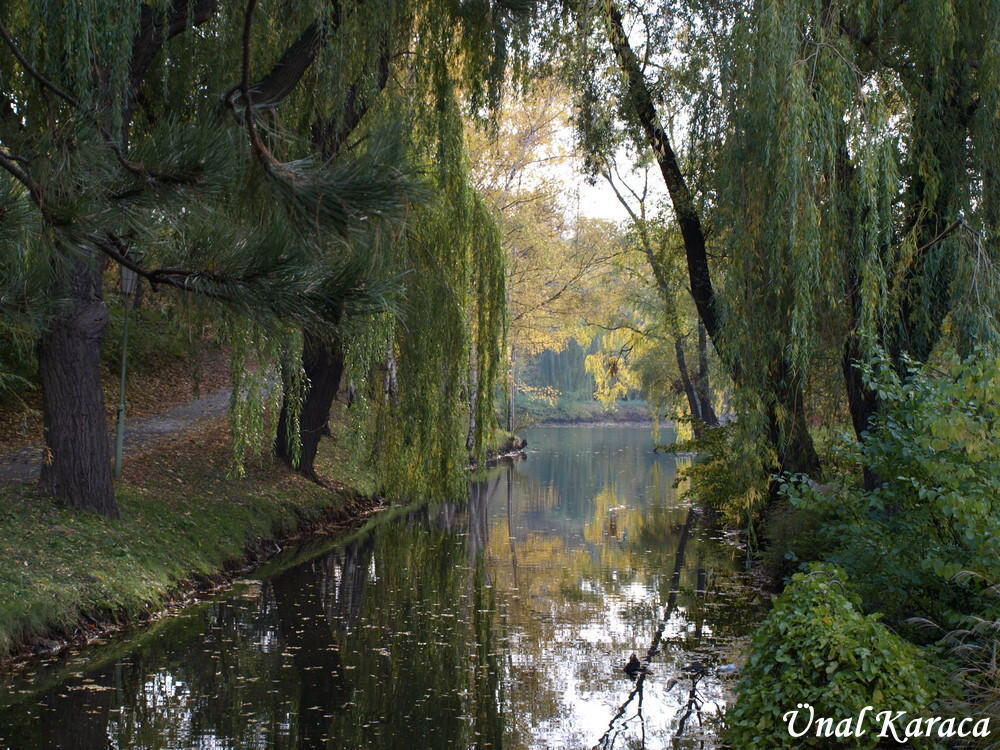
[(861, 400), (796, 452), (323, 361), (77, 466), (703, 387)]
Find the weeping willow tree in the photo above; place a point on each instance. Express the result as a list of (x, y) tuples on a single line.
[(168, 139), (633, 89), (436, 62), (831, 167), (860, 178), (419, 386)]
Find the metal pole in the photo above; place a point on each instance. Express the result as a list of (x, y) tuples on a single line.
[(120, 427), (128, 284)]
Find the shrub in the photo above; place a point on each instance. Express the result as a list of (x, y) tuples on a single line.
[(935, 449), (730, 473), (817, 647)]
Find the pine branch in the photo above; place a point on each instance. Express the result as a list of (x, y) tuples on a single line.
[(177, 278), (34, 189)]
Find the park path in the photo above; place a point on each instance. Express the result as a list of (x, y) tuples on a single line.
[(140, 433)]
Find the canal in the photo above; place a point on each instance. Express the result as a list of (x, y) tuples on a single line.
[(501, 622)]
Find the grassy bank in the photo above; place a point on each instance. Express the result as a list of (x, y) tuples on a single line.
[(64, 574), (572, 408)]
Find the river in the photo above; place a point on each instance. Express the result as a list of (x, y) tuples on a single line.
[(502, 622)]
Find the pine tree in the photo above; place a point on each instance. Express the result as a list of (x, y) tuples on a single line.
[(126, 138)]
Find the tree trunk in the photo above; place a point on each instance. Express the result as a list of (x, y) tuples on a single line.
[(77, 466), (861, 400), (796, 452), (323, 361), (692, 397), (510, 393), (702, 384)]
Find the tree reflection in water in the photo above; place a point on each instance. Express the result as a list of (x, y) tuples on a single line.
[(498, 622), (617, 725)]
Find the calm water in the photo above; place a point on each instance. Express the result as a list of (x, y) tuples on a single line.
[(501, 623)]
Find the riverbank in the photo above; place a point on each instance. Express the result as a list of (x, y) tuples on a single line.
[(573, 410), (595, 422), (68, 577)]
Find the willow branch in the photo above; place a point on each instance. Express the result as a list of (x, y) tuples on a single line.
[(155, 28), (625, 327), (29, 68), (131, 166)]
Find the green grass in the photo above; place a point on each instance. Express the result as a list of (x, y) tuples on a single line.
[(181, 520), (571, 408)]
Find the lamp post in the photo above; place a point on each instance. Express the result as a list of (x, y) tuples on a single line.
[(129, 279)]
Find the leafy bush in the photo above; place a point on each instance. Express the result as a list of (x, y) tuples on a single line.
[(817, 647), (730, 473), (935, 450)]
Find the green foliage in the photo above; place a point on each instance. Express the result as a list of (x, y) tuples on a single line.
[(279, 226), (934, 448), (539, 406), (439, 358), (24, 282), (848, 187), (790, 536), (817, 647), (156, 334), (737, 494)]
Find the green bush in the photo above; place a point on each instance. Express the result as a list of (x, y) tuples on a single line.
[(934, 448), (976, 649), (817, 647), (730, 473)]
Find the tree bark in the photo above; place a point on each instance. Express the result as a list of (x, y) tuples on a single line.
[(323, 362), (793, 444), (797, 454), (861, 400), (77, 466), (692, 397), (703, 387)]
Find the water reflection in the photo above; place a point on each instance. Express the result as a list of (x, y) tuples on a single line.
[(503, 622)]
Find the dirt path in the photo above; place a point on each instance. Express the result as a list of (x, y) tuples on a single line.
[(140, 434)]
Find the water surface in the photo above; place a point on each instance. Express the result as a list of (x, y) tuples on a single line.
[(501, 622)]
